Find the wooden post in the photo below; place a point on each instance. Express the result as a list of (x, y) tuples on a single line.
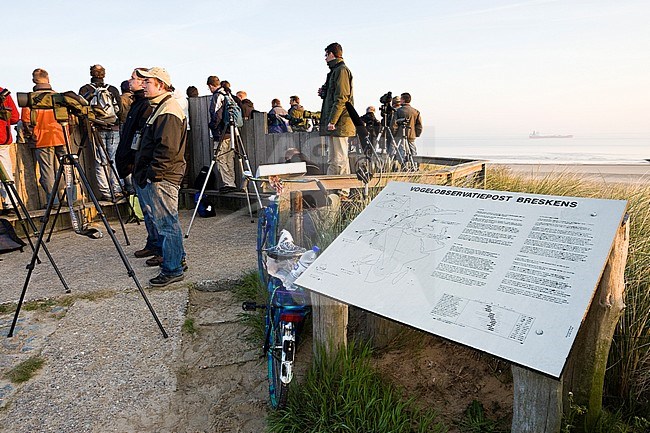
[(296, 216), (537, 404), (539, 400), (330, 323), (584, 374)]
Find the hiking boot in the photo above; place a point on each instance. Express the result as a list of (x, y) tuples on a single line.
[(162, 280), (154, 261), (144, 253)]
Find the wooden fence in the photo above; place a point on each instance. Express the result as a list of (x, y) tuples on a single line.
[(260, 146)]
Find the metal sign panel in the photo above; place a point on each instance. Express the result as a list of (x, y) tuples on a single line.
[(511, 274)]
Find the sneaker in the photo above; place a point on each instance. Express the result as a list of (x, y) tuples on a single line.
[(162, 280), (144, 253), (154, 261)]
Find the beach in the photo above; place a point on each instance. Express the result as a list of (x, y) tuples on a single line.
[(637, 174)]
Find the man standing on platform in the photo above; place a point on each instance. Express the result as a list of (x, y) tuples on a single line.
[(410, 118), (221, 136), (109, 132), (335, 122), (9, 115), (45, 135), (159, 169)]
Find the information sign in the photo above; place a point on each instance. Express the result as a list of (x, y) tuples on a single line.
[(511, 274)]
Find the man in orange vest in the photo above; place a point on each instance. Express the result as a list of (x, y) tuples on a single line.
[(45, 135)]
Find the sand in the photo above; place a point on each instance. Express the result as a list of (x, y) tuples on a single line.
[(608, 173)]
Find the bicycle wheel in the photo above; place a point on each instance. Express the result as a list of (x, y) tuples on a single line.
[(280, 362)]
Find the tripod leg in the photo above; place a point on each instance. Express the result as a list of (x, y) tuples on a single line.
[(11, 190), (39, 243), (120, 251), (56, 217), (196, 208), (244, 156), (105, 161)]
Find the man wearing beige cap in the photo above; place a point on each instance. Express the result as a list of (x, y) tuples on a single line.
[(159, 169)]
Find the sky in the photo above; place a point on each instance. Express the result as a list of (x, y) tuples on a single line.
[(473, 67)]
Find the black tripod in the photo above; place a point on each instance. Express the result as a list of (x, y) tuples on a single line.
[(20, 209), (68, 163), (237, 146), (408, 163), (97, 144)]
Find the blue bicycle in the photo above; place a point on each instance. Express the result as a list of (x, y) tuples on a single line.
[(285, 310)]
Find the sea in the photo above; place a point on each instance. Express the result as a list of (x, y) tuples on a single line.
[(520, 149)]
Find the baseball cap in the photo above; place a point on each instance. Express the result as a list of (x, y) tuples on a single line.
[(156, 72)]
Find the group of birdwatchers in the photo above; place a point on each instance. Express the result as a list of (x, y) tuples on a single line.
[(143, 131)]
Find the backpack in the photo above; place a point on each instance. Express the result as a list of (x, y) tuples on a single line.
[(9, 240), (275, 123), (103, 104), (231, 107)]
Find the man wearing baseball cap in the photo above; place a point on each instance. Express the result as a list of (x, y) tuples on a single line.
[(159, 169)]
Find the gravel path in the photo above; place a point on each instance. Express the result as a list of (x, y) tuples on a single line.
[(107, 367)]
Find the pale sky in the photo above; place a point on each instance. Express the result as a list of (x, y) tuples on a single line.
[(473, 67)]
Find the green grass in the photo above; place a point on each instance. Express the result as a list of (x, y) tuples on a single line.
[(343, 393), (25, 370), (476, 421), (189, 327), (250, 288)]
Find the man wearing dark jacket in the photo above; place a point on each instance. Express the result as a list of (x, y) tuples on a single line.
[(373, 126), (125, 158), (335, 122), (109, 134), (246, 105), (159, 169), (410, 118), (221, 135)]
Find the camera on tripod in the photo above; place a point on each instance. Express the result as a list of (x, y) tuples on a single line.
[(386, 107), (63, 104)]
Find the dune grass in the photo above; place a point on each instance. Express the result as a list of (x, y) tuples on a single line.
[(343, 393), (324, 402), (627, 381)]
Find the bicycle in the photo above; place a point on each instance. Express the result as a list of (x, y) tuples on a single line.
[(285, 310)]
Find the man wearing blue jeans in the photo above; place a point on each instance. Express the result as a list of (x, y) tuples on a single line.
[(159, 169), (109, 135)]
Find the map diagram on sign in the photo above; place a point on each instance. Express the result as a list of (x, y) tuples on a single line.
[(403, 238)]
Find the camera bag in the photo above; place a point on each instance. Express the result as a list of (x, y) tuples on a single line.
[(9, 240)]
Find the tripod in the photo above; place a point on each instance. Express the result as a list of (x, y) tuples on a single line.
[(68, 163), (19, 207), (404, 146), (97, 144), (236, 146)]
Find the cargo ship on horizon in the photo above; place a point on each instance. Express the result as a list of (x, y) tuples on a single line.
[(537, 134)]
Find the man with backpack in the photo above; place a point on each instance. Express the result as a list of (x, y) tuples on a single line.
[(106, 103), (221, 105)]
